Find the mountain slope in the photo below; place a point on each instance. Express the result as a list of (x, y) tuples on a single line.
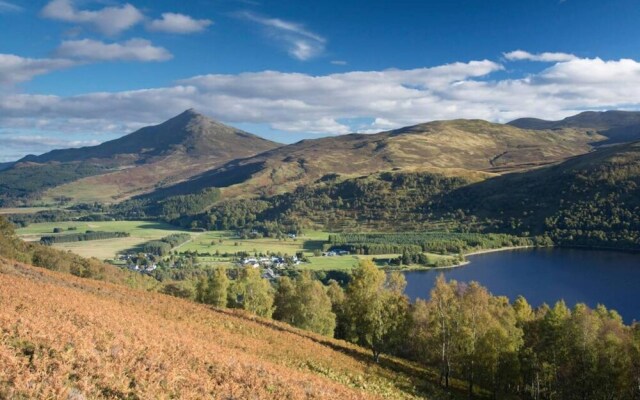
[(460, 145), (616, 126), (67, 337), (591, 200), (141, 161)]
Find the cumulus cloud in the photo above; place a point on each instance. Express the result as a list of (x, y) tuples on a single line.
[(299, 42), (15, 69), (108, 20), (178, 23), (521, 55), (7, 7), (325, 104), (130, 50)]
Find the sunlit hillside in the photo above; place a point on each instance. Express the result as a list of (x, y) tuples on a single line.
[(68, 337)]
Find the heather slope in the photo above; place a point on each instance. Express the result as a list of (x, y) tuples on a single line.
[(64, 336)]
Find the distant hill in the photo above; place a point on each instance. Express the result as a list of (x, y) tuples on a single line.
[(590, 200), (151, 157), (616, 126), (463, 146)]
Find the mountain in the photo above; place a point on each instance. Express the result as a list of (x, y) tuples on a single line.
[(135, 163), (458, 147), (616, 126), (6, 165)]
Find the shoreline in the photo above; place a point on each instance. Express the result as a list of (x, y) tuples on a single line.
[(473, 253)]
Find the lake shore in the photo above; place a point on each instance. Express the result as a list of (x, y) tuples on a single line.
[(478, 252)]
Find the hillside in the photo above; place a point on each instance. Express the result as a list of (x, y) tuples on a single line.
[(153, 156), (67, 337), (591, 200), (616, 126), (453, 147)]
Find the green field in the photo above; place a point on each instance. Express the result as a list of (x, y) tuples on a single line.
[(224, 242), (140, 231)]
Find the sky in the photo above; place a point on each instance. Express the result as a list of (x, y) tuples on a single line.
[(80, 72)]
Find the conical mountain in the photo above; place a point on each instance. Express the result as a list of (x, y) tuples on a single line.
[(190, 133), (149, 158)]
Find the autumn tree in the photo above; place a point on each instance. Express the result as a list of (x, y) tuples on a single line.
[(217, 288), (252, 293), (377, 313)]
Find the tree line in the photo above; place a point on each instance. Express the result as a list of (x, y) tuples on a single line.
[(163, 246), (80, 237), (464, 332), (433, 242)]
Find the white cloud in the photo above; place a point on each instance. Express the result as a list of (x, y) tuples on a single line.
[(130, 50), (299, 42), (299, 102), (178, 23), (521, 55), (7, 7), (15, 69), (108, 20), (338, 62)]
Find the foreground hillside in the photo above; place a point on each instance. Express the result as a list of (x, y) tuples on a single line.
[(68, 337)]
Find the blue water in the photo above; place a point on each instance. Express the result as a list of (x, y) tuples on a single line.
[(547, 275)]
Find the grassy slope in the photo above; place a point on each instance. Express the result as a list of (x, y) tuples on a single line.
[(459, 147), (64, 336)]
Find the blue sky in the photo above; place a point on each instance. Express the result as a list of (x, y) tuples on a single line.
[(80, 72)]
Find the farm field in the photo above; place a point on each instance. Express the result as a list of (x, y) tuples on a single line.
[(140, 231), (206, 244)]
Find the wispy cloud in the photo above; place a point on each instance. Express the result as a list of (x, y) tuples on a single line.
[(107, 20), (521, 55), (178, 23), (130, 50), (15, 69), (7, 7), (338, 62), (299, 42)]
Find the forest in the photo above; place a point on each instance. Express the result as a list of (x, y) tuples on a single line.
[(432, 242)]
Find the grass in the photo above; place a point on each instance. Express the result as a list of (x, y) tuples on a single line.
[(140, 231)]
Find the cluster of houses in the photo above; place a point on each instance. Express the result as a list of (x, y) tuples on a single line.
[(131, 261), (269, 262)]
